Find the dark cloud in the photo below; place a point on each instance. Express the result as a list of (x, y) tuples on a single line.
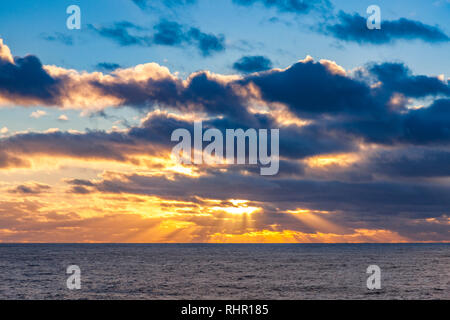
[(249, 64), (343, 105), (120, 33), (353, 27), (174, 34), (343, 108), (296, 6), (107, 66), (26, 80), (30, 189), (397, 77), (79, 190), (11, 161), (425, 126), (59, 37), (207, 43), (80, 182), (95, 144), (167, 33), (310, 88), (412, 162), (202, 93)]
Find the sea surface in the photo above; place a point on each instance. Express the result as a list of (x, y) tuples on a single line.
[(225, 271)]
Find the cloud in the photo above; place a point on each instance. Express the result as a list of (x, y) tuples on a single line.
[(11, 161), (312, 88), (410, 162), (120, 33), (352, 27), (167, 33), (30, 188), (364, 204), (295, 6), (38, 114), (25, 80), (351, 106), (426, 126), (63, 117), (107, 66), (396, 77), (151, 4), (249, 64), (59, 37), (207, 43), (5, 53), (4, 130)]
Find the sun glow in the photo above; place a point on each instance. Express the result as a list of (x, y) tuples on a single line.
[(239, 207)]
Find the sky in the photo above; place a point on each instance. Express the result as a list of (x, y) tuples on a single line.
[(86, 117)]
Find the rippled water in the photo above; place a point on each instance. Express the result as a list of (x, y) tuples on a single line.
[(182, 271)]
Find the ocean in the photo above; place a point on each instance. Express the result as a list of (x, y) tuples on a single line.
[(225, 271)]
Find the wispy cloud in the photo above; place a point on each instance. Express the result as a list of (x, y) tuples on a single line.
[(63, 117), (352, 27), (295, 6), (38, 114), (248, 64), (65, 39), (166, 33)]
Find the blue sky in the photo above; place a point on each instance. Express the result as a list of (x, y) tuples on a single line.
[(22, 23), (25, 23)]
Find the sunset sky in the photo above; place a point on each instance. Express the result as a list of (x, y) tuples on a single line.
[(86, 118)]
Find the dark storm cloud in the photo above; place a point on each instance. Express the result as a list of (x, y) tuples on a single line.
[(167, 33), (249, 64), (202, 92), (343, 108), (310, 88), (352, 107), (397, 77), (295, 6), (425, 126), (27, 80), (410, 162), (353, 27)]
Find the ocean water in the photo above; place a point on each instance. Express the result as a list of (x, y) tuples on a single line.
[(236, 271)]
